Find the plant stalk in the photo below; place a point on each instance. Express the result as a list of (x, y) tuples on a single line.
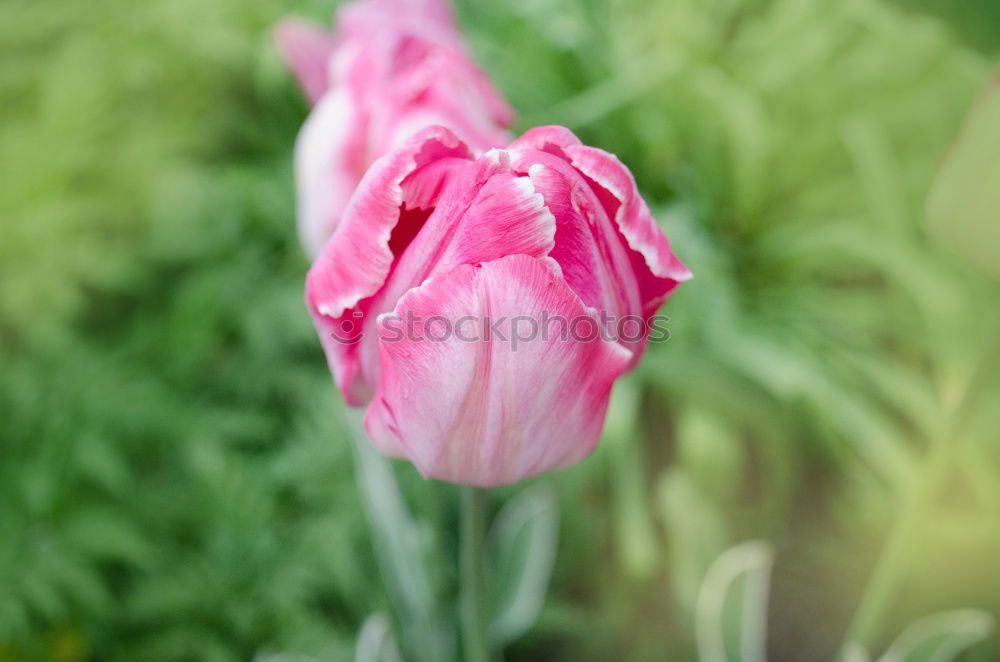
[(475, 641)]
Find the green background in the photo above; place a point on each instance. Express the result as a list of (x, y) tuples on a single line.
[(176, 480)]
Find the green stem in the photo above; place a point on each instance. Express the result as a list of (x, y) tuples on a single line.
[(473, 589)]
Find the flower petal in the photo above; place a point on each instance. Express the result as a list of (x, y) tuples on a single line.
[(594, 259), (364, 17), (505, 217), (306, 49), (552, 139), (487, 412), (329, 162), (423, 187), (663, 271), (487, 212), (355, 262)]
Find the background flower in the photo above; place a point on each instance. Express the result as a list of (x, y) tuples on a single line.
[(390, 68)]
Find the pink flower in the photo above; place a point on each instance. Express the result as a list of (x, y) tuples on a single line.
[(391, 68), (438, 252)]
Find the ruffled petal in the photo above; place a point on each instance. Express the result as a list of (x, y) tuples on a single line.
[(476, 407), (594, 259), (552, 139), (306, 49), (659, 271), (354, 264), (506, 216), (485, 213)]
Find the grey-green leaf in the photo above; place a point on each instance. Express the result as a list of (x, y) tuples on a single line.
[(522, 549), (400, 553), (940, 637), (376, 642)]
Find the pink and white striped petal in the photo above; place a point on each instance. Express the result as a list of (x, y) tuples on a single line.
[(486, 212), (475, 407), (659, 272), (355, 263)]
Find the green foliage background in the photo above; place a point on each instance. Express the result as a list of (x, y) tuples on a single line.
[(176, 480)]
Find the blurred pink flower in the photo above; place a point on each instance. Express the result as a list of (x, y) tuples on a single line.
[(390, 68), (546, 228)]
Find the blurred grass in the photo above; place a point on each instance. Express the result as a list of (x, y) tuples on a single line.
[(174, 480)]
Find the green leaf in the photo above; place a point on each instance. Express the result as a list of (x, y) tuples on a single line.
[(522, 550), (101, 534), (401, 553)]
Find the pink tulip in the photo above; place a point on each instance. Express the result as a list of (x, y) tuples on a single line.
[(390, 68), (545, 228)]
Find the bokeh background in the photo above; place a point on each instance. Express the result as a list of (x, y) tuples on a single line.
[(177, 479)]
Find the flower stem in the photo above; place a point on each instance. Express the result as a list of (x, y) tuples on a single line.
[(473, 604)]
